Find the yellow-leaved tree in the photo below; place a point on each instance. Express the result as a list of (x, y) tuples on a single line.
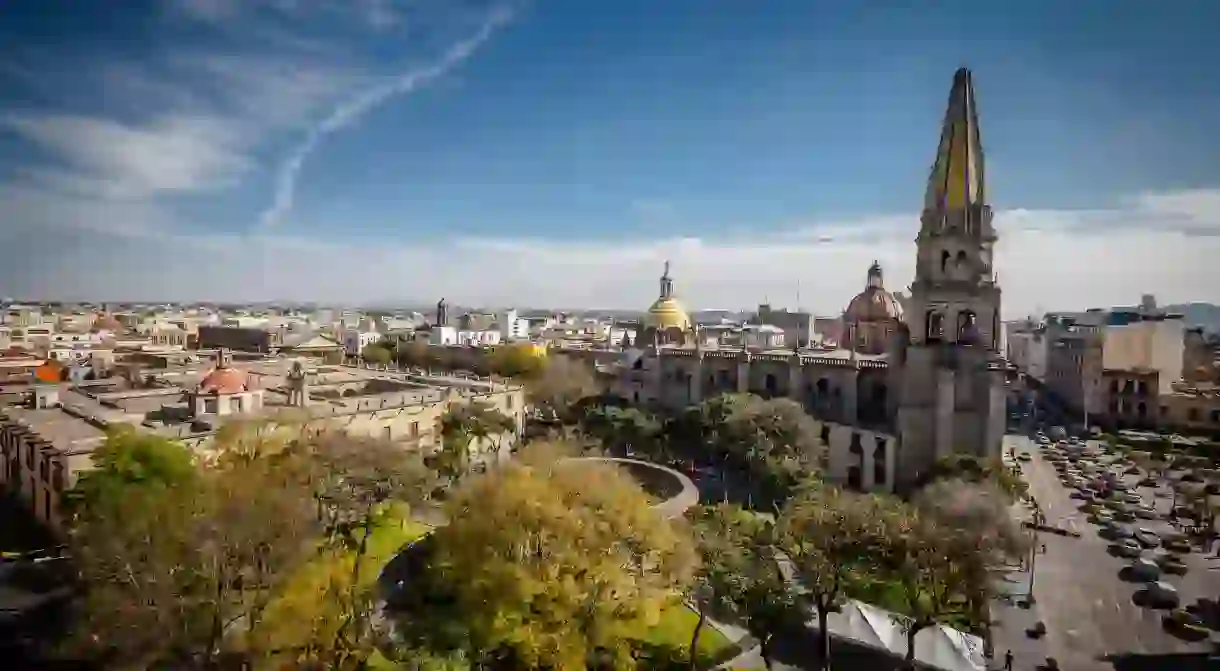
[(554, 563)]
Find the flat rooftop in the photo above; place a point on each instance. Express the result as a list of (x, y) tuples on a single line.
[(64, 430)]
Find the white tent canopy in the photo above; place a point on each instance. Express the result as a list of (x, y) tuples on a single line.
[(939, 647)]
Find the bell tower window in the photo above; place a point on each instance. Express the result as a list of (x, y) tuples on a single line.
[(936, 326)]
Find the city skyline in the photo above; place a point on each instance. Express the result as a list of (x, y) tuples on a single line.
[(534, 154)]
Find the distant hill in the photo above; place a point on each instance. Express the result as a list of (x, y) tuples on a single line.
[(1198, 314)]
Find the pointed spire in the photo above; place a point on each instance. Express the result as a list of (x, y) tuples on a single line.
[(956, 182)]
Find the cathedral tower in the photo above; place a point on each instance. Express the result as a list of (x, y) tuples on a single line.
[(950, 381)]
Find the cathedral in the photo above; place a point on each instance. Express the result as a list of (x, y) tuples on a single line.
[(911, 381)]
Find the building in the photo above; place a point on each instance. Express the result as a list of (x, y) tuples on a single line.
[(797, 327), (873, 317), (47, 441), (239, 338), (925, 382), (947, 368), (354, 341)]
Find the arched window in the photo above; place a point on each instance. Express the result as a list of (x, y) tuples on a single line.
[(944, 262), (936, 326), (769, 383), (823, 387), (961, 266), (967, 328)]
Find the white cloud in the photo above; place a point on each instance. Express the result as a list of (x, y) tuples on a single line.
[(1045, 259), (113, 160), (351, 110)]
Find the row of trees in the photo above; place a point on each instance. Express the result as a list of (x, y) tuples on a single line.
[(517, 360), (770, 444), (563, 565), (186, 567), (933, 558)]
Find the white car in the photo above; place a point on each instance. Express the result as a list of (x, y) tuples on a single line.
[(1133, 498)]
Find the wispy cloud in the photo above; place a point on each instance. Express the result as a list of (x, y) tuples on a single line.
[(352, 109), (108, 159)]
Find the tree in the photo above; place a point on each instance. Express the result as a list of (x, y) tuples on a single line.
[(516, 360), (774, 442), (357, 487), (563, 560), (969, 468), (414, 353), (376, 353), (173, 557), (562, 382), (725, 537), (832, 538), (464, 426), (125, 461), (945, 553)]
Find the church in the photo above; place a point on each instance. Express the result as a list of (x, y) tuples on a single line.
[(912, 381)]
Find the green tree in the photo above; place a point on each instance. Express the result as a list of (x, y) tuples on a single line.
[(174, 557), (127, 460), (467, 426), (376, 353), (833, 539), (516, 360), (725, 536)]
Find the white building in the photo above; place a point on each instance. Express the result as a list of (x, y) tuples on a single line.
[(354, 342), (512, 326)]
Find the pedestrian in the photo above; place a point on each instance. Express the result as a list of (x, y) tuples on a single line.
[(1008, 660)]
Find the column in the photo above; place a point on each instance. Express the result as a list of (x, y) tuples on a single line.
[(847, 397), (696, 380), (796, 380), (868, 450), (743, 373)]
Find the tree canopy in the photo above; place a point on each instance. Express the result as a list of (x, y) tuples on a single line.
[(554, 563)]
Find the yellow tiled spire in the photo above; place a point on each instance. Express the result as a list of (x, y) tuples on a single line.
[(956, 182)]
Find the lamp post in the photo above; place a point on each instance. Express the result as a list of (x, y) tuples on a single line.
[(1033, 557)]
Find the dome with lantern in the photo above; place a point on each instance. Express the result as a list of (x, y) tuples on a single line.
[(666, 322)]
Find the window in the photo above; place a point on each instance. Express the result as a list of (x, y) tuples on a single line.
[(1192, 414), (509, 402), (389, 433), (415, 429)]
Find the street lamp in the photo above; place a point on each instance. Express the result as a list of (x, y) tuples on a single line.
[(1033, 557)]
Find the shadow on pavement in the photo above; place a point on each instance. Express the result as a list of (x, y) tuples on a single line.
[(1192, 661)]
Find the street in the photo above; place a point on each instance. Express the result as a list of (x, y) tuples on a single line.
[(1088, 609)]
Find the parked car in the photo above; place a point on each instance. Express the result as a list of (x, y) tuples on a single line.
[(1163, 595), (1024, 456), (1171, 563), (1146, 512), (1145, 570), (1129, 548), (1177, 544), (1187, 623), (1133, 498), (1147, 537)]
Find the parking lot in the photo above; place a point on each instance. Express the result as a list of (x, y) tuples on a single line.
[(1084, 596)]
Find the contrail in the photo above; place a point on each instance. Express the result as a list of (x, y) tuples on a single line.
[(353, 109)]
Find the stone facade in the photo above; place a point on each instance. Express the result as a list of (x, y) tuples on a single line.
[(924, 389)]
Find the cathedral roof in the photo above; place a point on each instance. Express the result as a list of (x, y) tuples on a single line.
[(874, 304), (667, 313)]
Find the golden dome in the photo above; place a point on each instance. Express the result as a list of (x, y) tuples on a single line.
[(667, 313)]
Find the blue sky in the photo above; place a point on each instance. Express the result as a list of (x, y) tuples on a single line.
[(554, 153)]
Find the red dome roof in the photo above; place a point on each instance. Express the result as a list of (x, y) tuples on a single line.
[(224, 381)]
